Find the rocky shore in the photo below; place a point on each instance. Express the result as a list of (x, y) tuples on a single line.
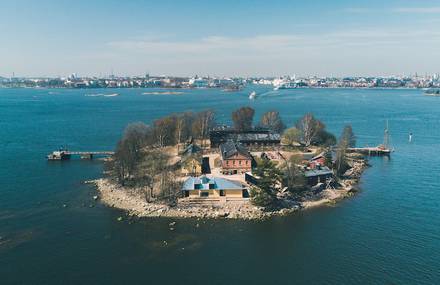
[(348, 186), (134, 203)]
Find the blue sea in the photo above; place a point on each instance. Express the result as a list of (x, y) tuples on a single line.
[(53, 232)]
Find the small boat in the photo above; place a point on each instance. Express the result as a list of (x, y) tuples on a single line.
[(286, 85), (253, 95), (59, 155), (232, 88)]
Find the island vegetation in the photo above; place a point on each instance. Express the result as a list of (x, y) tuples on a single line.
[(145, 174)]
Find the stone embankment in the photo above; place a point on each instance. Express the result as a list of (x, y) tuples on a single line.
[(134, 203)]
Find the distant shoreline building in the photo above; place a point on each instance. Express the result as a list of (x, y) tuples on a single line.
[(226, 84)]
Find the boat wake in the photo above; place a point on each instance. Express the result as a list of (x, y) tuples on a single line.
[(163, 93), (102, 95)]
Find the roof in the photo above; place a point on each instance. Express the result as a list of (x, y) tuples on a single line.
[(216, 183), (319, 156), (319, 172), (191, 149), (254, 135), (230, 148), (258, 137), (190, 161)]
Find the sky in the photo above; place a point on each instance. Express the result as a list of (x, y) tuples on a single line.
[(219, 38)]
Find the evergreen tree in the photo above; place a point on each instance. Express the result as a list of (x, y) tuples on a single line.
[(291, 136), (268, 181), (328, 158)]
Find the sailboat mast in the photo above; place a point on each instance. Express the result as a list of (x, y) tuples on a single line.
[(386, 139)]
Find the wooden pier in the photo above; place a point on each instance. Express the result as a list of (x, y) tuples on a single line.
[(381, 150), (66, 154), (371, 151)]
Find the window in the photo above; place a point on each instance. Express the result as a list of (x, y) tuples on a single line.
[(204, 194), (239, 162), (222, 192)]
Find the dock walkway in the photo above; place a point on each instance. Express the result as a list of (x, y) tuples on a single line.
[(378, 151), (66, 154)]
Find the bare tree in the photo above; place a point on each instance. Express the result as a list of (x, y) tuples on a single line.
[(348, 136), (310, 128), (129, 150), (243, 118), (180, 129), (164, 130), (203, 122), (347, 140), (293, 175), (184, 123), (272, 120), (154, 163), (121, 162), (168, 186), (137, 135)]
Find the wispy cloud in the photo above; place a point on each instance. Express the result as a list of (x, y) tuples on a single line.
[(275, 44), (418, 10), (357, 10), (211, 44)]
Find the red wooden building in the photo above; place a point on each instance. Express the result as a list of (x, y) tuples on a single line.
[(235, 158)]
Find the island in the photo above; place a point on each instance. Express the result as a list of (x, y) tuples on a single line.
[(189, 166)]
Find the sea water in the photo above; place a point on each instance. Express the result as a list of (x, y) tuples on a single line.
[(53, 232)]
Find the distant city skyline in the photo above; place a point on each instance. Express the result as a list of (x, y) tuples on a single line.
[(249, 38)]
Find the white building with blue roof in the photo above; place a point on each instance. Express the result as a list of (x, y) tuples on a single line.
[(213, 187)]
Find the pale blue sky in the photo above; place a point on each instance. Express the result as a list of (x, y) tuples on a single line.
[(247, 38)]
